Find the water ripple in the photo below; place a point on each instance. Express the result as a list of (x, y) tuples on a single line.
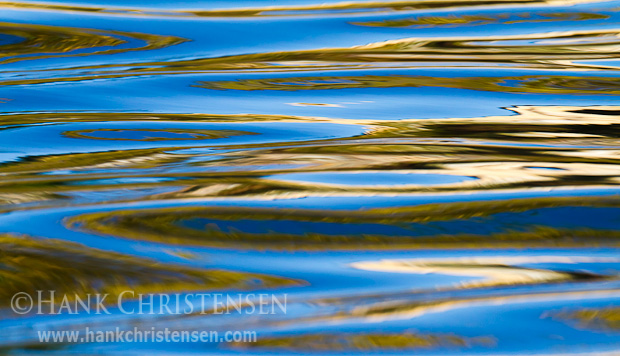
[(435, 177)]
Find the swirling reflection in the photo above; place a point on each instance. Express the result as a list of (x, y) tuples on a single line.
[(431, 177)]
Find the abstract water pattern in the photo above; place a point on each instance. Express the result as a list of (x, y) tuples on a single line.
[(423, 177)]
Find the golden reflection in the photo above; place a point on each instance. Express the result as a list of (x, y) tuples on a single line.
[(294, 10), (148, 135), (602, 319), (365, 341), (143, 158), (550, 50), (496, 271), (30, 264), (39, 118), (474, 20), (502, 235), (219, 227), (501, 277), (541, 146), (532, 84), (386, 307), (40, 42)]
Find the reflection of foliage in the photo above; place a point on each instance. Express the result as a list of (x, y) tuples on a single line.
[(607, 318), (524, 84), (322, 9), (494, 130), (165, 225), (160, 134), (497, 272), (38, 118), (46, 39), (535, 147), (472, 20), (538, 50), (368, 148), (466, 210), (28, 264), (142, 158), (365, 342), (41, 41)]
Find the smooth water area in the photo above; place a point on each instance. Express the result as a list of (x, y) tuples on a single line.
[(414, 177), (370, 178)]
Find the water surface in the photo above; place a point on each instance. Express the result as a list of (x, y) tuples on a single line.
[(417, 177)]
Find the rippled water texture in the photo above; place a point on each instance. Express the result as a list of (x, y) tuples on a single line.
[(417, 177)]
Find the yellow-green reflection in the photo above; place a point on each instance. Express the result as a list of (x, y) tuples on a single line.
[(166, 226), (40, 41), (39, 118), (552, 50), (147, 135), (542, 146), (135, 158), (502, 275), (605, 318), (366, 342), (473, 20), (559, 84), (323, 9), (30, 264)]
